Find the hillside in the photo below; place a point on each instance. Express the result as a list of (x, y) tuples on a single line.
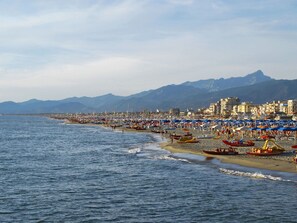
[(212, 85), (262, 92), (166, 97)]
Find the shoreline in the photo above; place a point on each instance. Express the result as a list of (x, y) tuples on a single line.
[(242, 159), (282, 163)]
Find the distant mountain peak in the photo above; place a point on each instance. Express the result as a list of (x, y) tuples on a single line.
[(255, 87), (213, 85), (258, 73)]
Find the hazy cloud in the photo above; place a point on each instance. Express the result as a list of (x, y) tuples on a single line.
[(57, 49)]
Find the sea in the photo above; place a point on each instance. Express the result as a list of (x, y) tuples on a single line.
[(56, 172)]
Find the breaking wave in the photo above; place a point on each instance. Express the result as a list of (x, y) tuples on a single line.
[(255, 175), (169, 157), (134, 150)]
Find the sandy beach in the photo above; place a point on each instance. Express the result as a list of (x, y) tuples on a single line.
[(283, 162)]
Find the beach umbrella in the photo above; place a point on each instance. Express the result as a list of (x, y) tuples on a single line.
[(284, 129), (215, 127), (242, 128), (273, 128), (254, 128)]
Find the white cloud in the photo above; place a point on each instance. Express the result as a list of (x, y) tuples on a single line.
[(54, 49)]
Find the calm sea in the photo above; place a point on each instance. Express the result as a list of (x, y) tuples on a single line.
[(53, 172)]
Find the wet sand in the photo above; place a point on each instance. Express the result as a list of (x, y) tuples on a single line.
[(269, 163), (281, 162)]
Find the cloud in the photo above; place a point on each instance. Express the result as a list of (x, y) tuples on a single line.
[(181, 2), (90, 78), (56, 49)]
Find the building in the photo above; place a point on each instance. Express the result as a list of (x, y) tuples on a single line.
[(215, 108), (244, 108), (227, 105), (231, 106), (292, 107), (174, 111), (283, 107)]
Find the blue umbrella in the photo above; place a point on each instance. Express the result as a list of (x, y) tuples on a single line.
[(254, 128), (273, 129), (284, 129)]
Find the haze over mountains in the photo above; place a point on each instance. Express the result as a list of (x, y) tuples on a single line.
[(255, 87)]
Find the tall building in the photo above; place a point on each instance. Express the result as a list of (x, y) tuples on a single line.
[(215, 108), (292, 107), (227, 105), (272, 107), (244, 107)]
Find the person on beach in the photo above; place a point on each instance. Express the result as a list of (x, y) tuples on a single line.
[(295, 159), (228, 133)]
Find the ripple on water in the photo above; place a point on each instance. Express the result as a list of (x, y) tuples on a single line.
[(73, 173)]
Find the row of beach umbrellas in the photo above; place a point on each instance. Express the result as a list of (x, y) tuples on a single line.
[(281, 128)]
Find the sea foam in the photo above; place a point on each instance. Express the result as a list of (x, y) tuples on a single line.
[(256, 175), (134, 150), (169, 157)]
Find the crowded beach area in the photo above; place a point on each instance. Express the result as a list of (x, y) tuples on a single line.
[(263, 144)]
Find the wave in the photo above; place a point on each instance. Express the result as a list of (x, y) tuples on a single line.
[(169, 157), (253, 175), (134, 150)]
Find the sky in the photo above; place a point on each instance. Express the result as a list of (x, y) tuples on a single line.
[(53, 49)]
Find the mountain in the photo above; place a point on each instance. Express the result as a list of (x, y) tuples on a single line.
[(162, 98), (102, 103), (273, 90), (185, 97), (94, 101), (221, 84), (68, 105), (255, 87)]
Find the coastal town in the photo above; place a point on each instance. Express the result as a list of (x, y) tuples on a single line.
[(262, 136), (232, 107), (225, 108)]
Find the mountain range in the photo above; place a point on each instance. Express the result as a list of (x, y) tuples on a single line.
[(255, 87)]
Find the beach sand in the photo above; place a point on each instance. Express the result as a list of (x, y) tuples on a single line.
[(269, 163), (283, 163)]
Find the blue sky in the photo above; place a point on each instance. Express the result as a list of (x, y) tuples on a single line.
[(57, 49)]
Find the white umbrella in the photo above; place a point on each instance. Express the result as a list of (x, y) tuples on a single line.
[(242, 128)]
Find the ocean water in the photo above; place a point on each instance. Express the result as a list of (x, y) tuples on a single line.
[(53, 172)]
